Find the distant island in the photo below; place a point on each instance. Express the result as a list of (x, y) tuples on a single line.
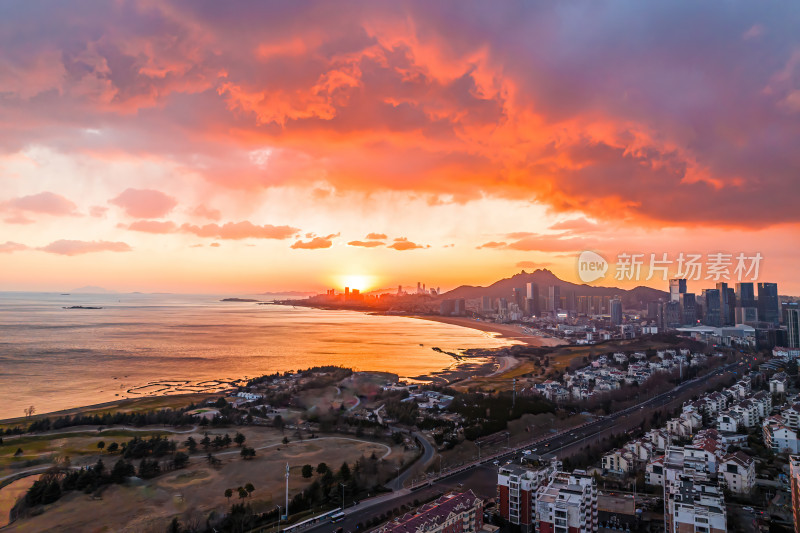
[(239, 300), (81, 307)]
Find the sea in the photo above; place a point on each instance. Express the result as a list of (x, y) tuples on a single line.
[(54, 358)]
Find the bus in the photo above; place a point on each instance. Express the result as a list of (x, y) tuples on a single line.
[(338, 517)]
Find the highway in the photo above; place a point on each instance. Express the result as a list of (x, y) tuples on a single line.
[(481, 475)]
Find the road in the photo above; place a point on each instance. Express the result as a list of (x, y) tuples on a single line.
[(481, 476), (428, 451)]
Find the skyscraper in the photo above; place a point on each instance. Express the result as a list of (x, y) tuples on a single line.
[(791, 317), (533, 299), (616, 311), (745, 296), (486, 304), (553, 298), (677, 286), (768, 305), (724, 309), (688, 309), (712, 316), (746, 310), (518, 297), (672, 314)]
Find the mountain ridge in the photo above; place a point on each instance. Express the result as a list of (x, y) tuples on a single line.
[(636, 297)]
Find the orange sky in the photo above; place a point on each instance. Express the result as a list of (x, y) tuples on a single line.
[(201, 147)]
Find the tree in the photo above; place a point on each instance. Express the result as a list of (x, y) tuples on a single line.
[(18, 452), (121, 470), (205, 441), (113, 447), (307, 471), (247, 453), (239, 439), (242, 493), (191, 444), (221, 403), (180, 460), (344, 471), (278, 422), (228, 494), (286, 440), (101, 445), (322, 468), (174, 526), (249, 487)]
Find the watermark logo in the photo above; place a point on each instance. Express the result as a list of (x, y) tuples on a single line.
[(591, 266)]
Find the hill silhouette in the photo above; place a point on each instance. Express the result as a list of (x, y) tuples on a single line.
[(634, 298)]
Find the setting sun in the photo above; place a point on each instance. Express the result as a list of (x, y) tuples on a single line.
[(358, 281)]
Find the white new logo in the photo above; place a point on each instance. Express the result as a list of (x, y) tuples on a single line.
[(591, 266)]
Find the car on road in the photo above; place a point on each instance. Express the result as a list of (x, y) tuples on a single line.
[(748, 509), (526, 452), (496, 462)]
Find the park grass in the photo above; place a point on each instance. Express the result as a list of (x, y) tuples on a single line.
[(149, 505)]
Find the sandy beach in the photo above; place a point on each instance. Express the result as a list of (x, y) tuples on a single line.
[(505, 331)]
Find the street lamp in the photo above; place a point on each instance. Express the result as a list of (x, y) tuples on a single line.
[(343, 486)]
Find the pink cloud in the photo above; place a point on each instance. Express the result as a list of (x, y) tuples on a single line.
[(202, 211), (71, 247), (215, 245), (8, 247), (402, 244), (376, 236), (366, 244), (47, 203), (492, 244), (18, 218), (315, 243), (152, 226), (144, 203), (240, 230)]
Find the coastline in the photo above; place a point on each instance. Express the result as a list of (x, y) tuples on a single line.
[(464, 367), (503, 331)]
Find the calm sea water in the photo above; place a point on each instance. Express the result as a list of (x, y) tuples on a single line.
[(142, 344)]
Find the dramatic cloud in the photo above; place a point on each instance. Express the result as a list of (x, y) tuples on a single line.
[(152, 226), (366, 244), (144, 203), (8, 247), (241, 230), (688, 124), (315, 242), (376, 236), (402, 244), (69, 247), (47, 203)]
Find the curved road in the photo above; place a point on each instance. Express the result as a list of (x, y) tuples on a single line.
[(428, 451)]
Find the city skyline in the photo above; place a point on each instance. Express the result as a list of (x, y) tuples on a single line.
[(268, 147)]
